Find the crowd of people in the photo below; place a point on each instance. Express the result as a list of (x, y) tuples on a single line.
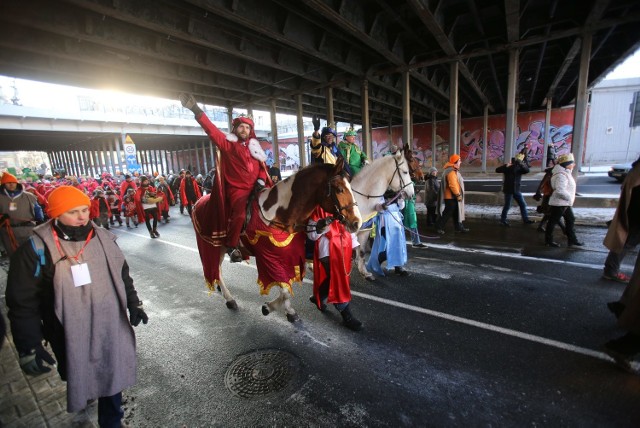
[(56, 231)]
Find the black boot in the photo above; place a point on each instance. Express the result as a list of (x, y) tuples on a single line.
[(234, 254), (322, 307), (349, 320)]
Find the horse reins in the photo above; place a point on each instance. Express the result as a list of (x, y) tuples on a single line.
[(396, 171)]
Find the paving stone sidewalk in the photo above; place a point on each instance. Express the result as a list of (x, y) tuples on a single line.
[(32, 401)]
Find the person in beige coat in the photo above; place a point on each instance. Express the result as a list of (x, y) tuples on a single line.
[(623, 349), (69, 284), (620, 238)]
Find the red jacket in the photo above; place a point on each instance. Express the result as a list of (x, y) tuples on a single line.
[(125, 185), (95, 208), (183, 192)]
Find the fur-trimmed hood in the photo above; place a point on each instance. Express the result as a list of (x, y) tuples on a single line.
[(254, 147)]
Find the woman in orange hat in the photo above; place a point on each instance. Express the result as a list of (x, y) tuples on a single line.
[(451, 196), (69, 285)]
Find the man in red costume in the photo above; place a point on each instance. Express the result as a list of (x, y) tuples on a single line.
[(332, 265), (241, 166)]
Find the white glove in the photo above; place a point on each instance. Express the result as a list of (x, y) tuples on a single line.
[(188, 101)]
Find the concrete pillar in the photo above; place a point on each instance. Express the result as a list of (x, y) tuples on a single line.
[(197, 165), (119, 162), (229, 118), (274, 132), (582, 102), (512, 84), (204, 157), (434, 135), (212, 151), (367, 145), (485, 137), (547, 135), (406, 109), (330, 116), (454, 132), (302, 144)]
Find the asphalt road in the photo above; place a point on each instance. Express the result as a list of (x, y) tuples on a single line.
[(490, 329), (587, 184)]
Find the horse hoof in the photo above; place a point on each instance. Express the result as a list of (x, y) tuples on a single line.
[(265, 310), (232, 304), (293, 318)]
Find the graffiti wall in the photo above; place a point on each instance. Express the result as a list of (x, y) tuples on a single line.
[(529, 134)]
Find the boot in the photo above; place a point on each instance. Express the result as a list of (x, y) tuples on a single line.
[(349, 320), (234, 254), (322, 307), (401, 271), (155, 232), (152, 235)]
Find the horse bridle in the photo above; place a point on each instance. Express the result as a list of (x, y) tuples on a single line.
[(397, 171), (336, 204)]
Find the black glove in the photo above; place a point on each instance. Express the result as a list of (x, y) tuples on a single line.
[(4, 217), (31, 361), (537, 197), (188, 101), (316, 122), (322, 224), (137, 314)]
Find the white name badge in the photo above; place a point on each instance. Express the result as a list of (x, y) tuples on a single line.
[(13, 206), (80, 274)]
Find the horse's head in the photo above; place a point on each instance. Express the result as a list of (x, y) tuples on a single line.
[(339, 199), (401, 180), (415, 168)]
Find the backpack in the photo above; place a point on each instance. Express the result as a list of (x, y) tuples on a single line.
[(38, 247), (545, 185)]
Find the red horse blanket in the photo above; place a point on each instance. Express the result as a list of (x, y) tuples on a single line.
[(280, 256)]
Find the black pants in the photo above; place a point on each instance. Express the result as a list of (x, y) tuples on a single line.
[(151, 214), (555, 214), (432, 214), (110, 411), (450, 208)]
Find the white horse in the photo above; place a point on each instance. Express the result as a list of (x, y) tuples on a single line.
[(368, 186)]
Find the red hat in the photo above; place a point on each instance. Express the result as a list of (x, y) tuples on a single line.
[(454, 158), (244, 119), (7, 177), (65, 198)]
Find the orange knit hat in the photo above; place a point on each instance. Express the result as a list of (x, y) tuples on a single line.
[(7, 177), (454, 158), (65, 198)]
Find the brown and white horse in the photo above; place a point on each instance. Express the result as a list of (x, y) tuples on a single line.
[(369, 185), (276, 232)]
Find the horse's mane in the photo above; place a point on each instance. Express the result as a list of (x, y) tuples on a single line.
[(368, 171)]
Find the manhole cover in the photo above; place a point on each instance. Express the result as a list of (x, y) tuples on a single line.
[(261, 373)]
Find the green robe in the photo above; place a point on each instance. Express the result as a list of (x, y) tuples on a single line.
[(353, 156)]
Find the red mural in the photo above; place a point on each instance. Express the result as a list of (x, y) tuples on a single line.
[(529, 134)]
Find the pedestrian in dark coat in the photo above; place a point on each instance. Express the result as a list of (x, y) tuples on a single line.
[(431, 190), (513, 172), (75, 297)]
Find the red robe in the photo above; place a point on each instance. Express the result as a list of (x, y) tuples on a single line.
[(138, 198), (340, 246), (183, 192), (95, 208)]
